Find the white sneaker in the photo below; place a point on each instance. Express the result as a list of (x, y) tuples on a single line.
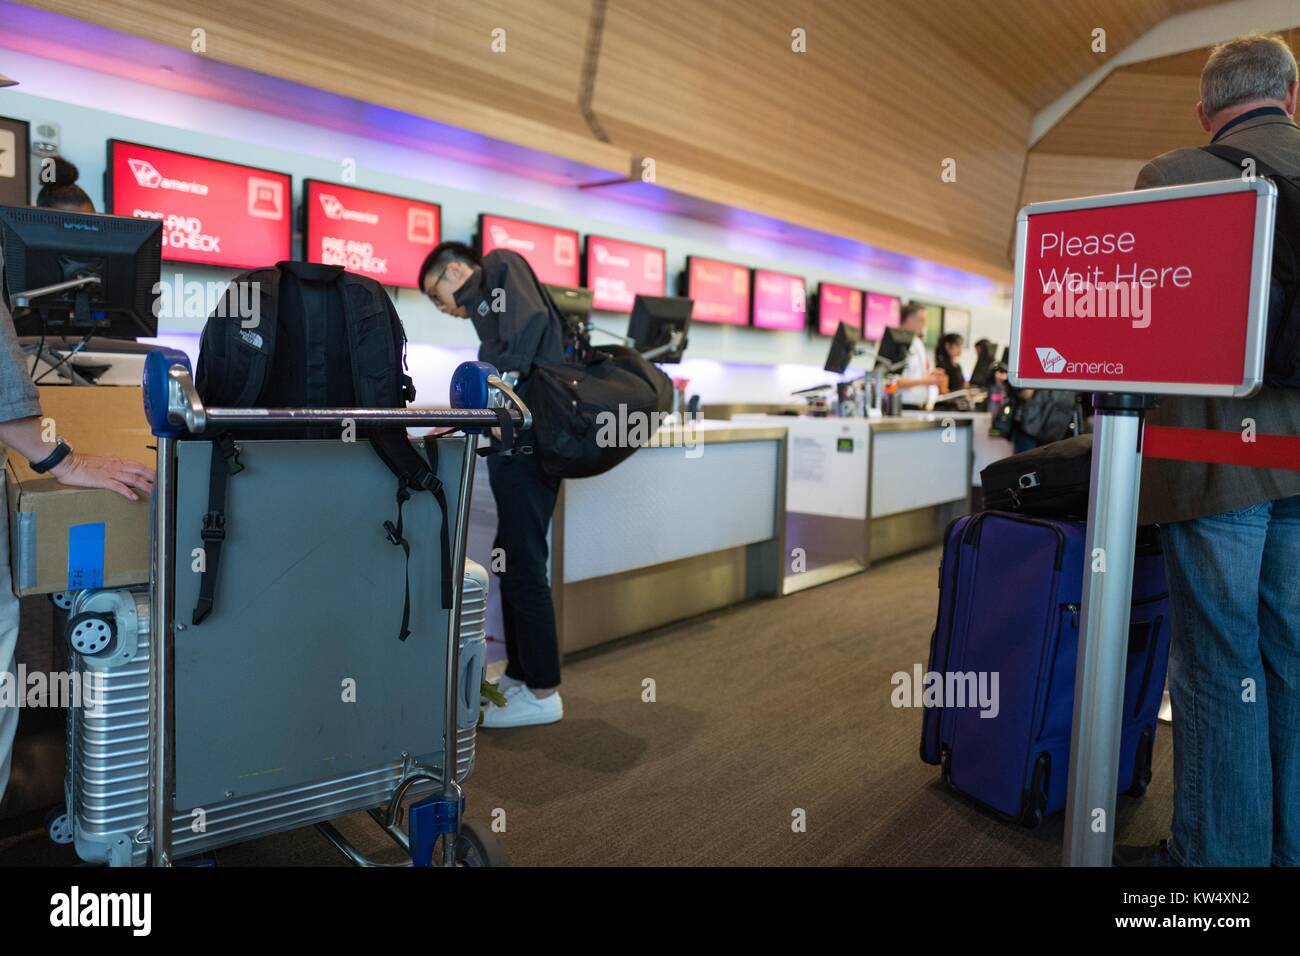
[(508, 685), (523, 709)]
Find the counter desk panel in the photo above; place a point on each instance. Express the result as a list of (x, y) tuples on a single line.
[(690, 524), (862, 489)]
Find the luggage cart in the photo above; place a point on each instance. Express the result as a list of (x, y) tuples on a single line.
[(293, 703)]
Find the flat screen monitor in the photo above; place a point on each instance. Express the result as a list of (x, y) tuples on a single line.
[(653, 322), (43, 247), (618, 271), (572, 303), (720, 291), (550, 250), (212, 212), (780, 301), (894, 344), (882, 312), (843, 347), (836, 304), (373, 234)]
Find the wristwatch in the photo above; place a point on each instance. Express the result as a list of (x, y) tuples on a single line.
[(61, 451)]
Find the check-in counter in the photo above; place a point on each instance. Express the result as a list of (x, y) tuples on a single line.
[(689, 524), (985, 447), (859, 490)]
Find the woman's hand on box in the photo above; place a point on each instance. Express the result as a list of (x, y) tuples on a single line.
[(105, 471)]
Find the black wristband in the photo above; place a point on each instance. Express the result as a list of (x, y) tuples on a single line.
[(61, 451)]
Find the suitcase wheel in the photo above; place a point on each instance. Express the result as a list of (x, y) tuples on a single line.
[(61, 600), (58, 825), (1142, 764), (945, 766), (479, 847), (90, 632), (1035, 800)]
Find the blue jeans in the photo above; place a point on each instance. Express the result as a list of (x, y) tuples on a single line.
[(1234, 679)]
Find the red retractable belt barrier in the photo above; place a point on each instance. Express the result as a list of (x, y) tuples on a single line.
[(1222, 448)]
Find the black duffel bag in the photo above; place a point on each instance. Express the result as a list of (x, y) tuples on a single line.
[(1051, 480), (588, 417)]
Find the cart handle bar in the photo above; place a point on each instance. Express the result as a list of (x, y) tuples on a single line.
[(185, 407)]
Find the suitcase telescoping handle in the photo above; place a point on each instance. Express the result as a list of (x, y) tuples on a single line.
[(172, 404)]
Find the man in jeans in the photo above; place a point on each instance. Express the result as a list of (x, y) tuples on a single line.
[(1232, 542)]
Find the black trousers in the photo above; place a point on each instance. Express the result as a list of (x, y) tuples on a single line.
[(525, 500)]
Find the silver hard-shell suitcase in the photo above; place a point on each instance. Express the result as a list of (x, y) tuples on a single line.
[(107, 783)]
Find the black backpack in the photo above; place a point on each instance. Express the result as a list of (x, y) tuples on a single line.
[(591, 414), (1045, 416), (1282, 339), (324, 338)]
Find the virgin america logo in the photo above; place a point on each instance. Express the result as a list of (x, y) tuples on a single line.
[(1052, 360), (149, 177), (335, 209)]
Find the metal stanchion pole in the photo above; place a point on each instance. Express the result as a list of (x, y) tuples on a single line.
[(1103, 632)]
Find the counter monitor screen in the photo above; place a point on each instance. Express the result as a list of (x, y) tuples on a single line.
[(550, 250), (44, 247), (843, 347), (836, 304), (720, 291), (212, 212), (653, 322), (895, 344), (373, 234), (780, 301), (617, 272), (883, 311)]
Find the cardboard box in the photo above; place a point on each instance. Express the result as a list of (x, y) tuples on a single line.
[(63, 538)]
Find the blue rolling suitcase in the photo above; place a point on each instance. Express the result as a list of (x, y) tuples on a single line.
[(1010, 591)]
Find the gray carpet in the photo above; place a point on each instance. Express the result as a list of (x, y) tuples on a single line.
[(760, 711)]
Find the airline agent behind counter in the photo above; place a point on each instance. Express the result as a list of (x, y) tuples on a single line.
[(921, 381), (517, 325)]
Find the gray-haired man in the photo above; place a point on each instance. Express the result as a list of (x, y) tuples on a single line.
[(1232, 541)]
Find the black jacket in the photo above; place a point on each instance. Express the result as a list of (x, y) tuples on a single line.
[(512, 313)]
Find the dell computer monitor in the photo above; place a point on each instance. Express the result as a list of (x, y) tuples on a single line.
[(574, 303), (654, 320), (45, 247), (574, 306), (894, 344), (843, 347)]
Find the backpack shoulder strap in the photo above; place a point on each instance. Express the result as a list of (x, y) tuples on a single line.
[(225, 463), (1238, 157), (415, 475)]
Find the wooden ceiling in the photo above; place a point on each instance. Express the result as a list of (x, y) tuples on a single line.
[(848, 138)]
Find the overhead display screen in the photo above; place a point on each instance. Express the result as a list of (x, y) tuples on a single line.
[(550, 250), (780, 301), (836, 304), (720, 291), (883, 311), (214, 213), (373, 234), (617, 272)]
